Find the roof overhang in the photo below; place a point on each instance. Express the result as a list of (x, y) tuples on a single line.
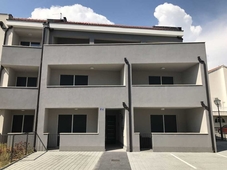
[(23, 24), (116, 30)]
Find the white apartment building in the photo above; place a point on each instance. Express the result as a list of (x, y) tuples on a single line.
[(85, 86), (218, 89)]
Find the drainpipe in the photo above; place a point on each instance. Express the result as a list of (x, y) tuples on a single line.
[(129, 103), (4, 42), (46, 26), (6, 31), (208, 104)]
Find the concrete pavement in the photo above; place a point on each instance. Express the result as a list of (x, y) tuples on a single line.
[(144, 160)]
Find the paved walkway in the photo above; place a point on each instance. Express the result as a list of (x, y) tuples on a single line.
[(144, 160), (55, 160), (113, 161)]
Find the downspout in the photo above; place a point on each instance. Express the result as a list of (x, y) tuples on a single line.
[(208, 104), (6, 31), (4, 42), (129, 104), (46, 26)]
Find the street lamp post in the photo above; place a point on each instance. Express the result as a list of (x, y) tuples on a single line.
[(217, 103)]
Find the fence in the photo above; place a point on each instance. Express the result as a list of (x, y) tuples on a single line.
[(14, 146)]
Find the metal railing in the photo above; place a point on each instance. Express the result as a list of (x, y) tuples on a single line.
[(15, 146)]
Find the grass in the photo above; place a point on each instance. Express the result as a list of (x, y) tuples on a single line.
[(18, 152)]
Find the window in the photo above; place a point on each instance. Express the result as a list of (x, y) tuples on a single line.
[(23, 123), (160, 80), (27, 43), (66, 80), (72, 123), (167, 80), (163, 123), (26, 81), (154, 80), (81, 80), (217, 120), (73, 80)]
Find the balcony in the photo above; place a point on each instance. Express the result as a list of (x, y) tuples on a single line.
[(84, 96), (168, 96), (18, 98), (21, 56)]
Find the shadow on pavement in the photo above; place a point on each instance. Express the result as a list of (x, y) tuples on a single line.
[(221, 145)]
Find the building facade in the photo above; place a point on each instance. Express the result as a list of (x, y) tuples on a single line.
[(84, 86), (218, 88)]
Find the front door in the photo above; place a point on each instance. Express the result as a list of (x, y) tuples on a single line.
[(110, 129)]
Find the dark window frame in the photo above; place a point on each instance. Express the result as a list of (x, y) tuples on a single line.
[(72, 123), (164, 123), (27, 81), (160, 82), (74, 81), (23, 124)]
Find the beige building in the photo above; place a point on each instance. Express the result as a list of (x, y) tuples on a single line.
[(84, 86), (218, 89)]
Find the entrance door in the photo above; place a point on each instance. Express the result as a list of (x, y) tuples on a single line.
[(110, 129)]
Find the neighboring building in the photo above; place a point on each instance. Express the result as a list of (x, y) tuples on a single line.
[(218, 89), (84, 81)]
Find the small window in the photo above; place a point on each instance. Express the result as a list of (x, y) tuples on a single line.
[(23, 123), (167, 80), (66, 80), (25, 43), (35, 44), (21, 81), (81, 80), (217, 120), (32, 82), (154, 80), (26, 81), (79, 123)]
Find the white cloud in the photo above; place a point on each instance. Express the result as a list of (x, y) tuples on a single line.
[(214, 33), (215, 36), (172, 15), (74, 12)]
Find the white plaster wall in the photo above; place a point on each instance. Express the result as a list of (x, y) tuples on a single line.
[(197, 120), (192, 75), (218, 88)]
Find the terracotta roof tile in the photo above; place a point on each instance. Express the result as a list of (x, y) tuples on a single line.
[(98, 24)]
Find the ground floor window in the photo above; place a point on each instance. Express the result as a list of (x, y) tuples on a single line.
[(23, 123), (72, 123), (163, 123)]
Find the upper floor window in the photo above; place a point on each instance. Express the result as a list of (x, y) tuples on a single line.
[(28, 43), (160, 80), (23, 123), (26, 81), (73, 80)]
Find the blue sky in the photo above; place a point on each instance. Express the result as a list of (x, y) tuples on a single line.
[(202, 20), (127, 12)]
